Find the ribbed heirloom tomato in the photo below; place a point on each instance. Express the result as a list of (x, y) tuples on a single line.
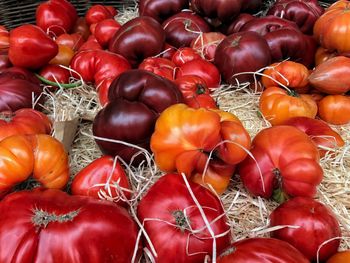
[(285, 163)]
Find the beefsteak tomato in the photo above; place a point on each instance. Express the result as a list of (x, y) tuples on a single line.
[(160, 66), (285, 163)]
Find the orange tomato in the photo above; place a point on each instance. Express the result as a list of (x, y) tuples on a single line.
[(64, 56), (277, 105), (340, 257), (335, 109)]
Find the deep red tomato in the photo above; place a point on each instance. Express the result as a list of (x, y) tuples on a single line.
[(203, 69), (98, 13), (315, 224), (82, 28), (56, 16), (30, 47), (55, 73), (206, 44), (183, 55), (104, 178), (74, 41), (52, 226), (176, 218), (286, 163), (24, 121), (105, 30), (168, 51), (258, 250), (160, 66)]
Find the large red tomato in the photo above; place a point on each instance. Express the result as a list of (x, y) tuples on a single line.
[(176, 226), (315, 224), (104, 178), (160, 9), (258, 250), (285, 163), (51, 226), (56, 16), (24, 121), (30, 47)]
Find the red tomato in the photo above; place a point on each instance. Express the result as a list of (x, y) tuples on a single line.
[(90, 44), (202, 101), (56, 16), (52, 226), (159, 66), (191, 86), (168, 51), (258, 250), (206, 44), (105, 30), (100, 180), (203, 69), (4, 60), (74, 41), (30, 47), (316, 224), (286, 163), (183, 55), (55, 73), (98, 13), (82, 28), (176, 218)]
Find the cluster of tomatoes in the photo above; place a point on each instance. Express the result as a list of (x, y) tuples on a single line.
[(155, 76)]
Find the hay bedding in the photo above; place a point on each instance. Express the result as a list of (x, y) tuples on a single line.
[(248, 216)]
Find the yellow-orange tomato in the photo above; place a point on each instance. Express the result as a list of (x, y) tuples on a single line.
[(291, 74), (340, 257), (41, 156), (277, 105), (63, 57), (184, 138), (335, 109), (332, 29)]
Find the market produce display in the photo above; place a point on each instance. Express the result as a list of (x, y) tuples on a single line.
[(185, 131)]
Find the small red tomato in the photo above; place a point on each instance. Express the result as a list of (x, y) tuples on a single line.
[(203, 69), (55, 73), (202, 101), (90, 44), (104, 178), (183, 55), (315, 224), (63, 57), (159, 66), (97, 13), (105, 30), (74, 41), (191, 86)]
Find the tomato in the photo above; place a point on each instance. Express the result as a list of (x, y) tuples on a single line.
[(335, 109), (184, 137), (168, 51), (183, 27), (98, 13), (18, 87), (41, 156), (258, 250), (176, 217), (340, 257), (4, 60), (203, 69), (74, 41), (138, 39), (319, 132), (184, 55), (104, 178), (4, 38), (207, 43), (286, 163), (332, 28), (315, 224), (161, 10), (52, 226), (24, 121), (91, 44), (55, 73), (105, 30), (63, 57), (202, 101), (56, 16), (30, 47), (82, 28), (160, 66), (288, 73), (326, 76), (136, 98), (277, 105), (323, 55)]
